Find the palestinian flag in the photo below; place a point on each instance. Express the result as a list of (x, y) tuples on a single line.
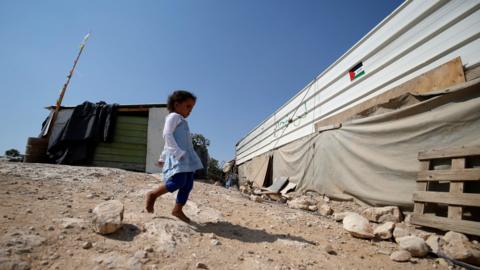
[(356, 71)]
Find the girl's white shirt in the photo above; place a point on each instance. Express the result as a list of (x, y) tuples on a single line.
[(172, 120)]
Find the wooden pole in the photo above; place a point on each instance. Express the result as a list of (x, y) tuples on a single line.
[(58, 104)]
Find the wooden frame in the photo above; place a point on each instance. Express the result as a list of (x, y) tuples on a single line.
[(456, 199)]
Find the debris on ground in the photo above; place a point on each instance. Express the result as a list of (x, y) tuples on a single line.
[(57, 232)]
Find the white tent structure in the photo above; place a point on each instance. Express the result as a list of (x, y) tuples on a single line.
[(399, 79)]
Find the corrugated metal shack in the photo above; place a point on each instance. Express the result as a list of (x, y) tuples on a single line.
[(137, 140)]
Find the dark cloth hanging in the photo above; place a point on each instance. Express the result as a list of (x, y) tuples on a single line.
[(89, 124)]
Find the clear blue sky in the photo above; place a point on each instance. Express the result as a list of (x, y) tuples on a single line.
[(243, 59)]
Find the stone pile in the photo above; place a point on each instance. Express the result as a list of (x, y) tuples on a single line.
[(308, 202), (385, 223)]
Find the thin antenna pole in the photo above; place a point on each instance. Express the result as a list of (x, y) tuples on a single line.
[(64, 88), (58, 104)]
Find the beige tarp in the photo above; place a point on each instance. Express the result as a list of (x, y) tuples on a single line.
[(255, 170), (374, 159)]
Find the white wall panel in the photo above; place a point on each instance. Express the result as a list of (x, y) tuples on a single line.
[(416, 37)]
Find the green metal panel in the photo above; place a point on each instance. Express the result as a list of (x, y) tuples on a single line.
[(129, 147)]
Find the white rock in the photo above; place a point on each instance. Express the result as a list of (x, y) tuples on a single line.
[(358, 226), (167, 234), (422, 234), (215, 242), (325, 210), (458, 247), (383, 214), (384, 231), (202, 213), (413, 244), (408, 219), (433, 243), (312, 208), (340, 216), (298, 203), (400, 256), (108, 217), (454, 236), (401, 230), (141, 254), (256, 198), (87, 245)]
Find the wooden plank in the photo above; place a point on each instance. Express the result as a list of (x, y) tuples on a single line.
[(118, 145), (443, 76), (130, 126), (119, 151), (119, 158), (472, 174), (131, 133), (464, 199), (456, 188), (447, 224), (419, 207), (130, 140), (463, 151), (138, 120)]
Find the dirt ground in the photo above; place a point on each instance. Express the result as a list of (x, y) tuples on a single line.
[(45, 223)]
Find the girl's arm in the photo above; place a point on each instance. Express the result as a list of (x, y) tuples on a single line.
[(171, 145), (161, 160)]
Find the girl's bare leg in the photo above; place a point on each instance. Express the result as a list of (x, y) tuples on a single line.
[(151, 196), (178, 212)]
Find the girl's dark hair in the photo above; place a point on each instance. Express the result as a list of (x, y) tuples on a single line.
[(179, 96)]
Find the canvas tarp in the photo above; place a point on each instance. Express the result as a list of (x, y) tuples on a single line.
[(255, 170), (374, 159)]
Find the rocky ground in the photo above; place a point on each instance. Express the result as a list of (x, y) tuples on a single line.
[(46, 223)]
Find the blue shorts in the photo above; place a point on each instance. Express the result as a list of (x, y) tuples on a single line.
[(183, 182)]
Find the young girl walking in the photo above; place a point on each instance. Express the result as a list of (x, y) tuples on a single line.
[(178, 159)]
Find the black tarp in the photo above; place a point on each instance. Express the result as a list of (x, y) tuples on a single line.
[(89, 124)]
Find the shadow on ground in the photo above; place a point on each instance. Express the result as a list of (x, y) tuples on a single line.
[(126, 233), (244, 234)]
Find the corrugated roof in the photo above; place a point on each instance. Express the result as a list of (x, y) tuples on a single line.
[(136, 106)]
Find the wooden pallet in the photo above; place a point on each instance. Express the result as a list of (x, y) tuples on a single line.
[(455, 198)]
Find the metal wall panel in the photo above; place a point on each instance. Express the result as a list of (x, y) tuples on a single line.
[(416, 37), (128, 150)]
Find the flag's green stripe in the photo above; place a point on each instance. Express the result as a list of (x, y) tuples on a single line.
[(359, 74)]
